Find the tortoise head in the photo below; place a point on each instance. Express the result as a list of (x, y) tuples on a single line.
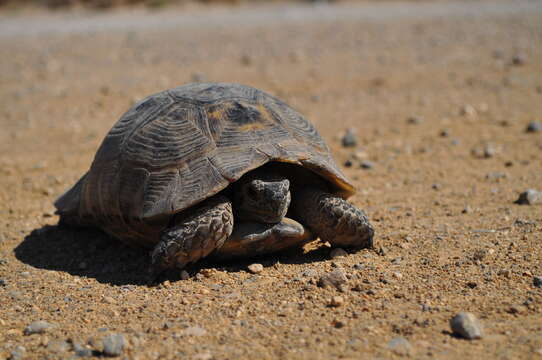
[(262, 197)]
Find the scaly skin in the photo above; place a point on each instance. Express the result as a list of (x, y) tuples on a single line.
[(195, 236), (332, 219)]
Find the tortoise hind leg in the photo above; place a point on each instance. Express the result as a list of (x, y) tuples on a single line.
[(333, 219), (194, 236)]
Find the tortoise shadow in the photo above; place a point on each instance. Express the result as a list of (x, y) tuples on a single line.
[(89, 252), (84, 252), (296, 256)]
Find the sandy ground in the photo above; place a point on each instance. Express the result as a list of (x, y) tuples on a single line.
[(440, 194)]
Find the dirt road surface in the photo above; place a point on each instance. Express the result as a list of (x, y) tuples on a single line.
[(440, 96)]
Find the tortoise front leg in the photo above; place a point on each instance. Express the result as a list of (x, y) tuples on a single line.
[(332, 219), (252, 239), (194, 236)]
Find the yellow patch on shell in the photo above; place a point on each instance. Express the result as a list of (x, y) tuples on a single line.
[(216, 114), (251, 127)]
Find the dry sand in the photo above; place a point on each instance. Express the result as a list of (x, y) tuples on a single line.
[(441, 192)]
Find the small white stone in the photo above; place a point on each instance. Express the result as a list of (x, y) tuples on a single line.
[(466, 325), (336, 301), (255, 268), (37, 327)]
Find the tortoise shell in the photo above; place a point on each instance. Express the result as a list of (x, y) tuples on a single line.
[(177, 148)]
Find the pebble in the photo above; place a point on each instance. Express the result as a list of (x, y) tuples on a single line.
[(82, 351), (246, 60), (468, 110), (533, 126), (207, 272), (504, 272), (337, 252), (400, 346), (537, 281), (349, 139), (366, 164), (18, 353), (495, 176), (359, 266), (58, 346), (519, 59), (206, 355), (308, 273), (113, 345), (194, 331), (184, 275), (255, 268), (489, 151), (336, 301), (335, 278), (3, 282), (414, 120), (444, 133), (466, 325), (529, 197), (37, 327), (338, 324), (524, 222), (108, 300), (382, 250)]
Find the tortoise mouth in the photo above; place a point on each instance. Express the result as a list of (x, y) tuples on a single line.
[(263, 216)]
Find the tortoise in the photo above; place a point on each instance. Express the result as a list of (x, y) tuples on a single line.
[(216, 169)]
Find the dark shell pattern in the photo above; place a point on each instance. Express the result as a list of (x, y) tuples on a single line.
[(176, 148)]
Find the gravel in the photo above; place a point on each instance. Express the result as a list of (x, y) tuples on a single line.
[(466, 325), (113, 345), (537, 281), (529, 197), (37, 327)]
